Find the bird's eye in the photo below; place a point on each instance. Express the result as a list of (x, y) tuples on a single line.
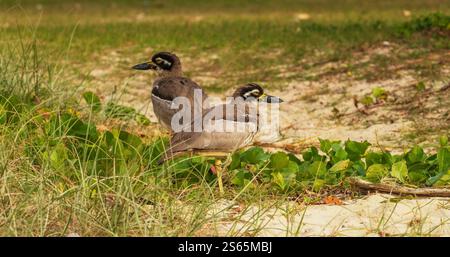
[(165, 64), (160, 60), (253, 93)]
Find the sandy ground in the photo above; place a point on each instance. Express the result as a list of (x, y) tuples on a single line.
[(373, 215), (312, 110)]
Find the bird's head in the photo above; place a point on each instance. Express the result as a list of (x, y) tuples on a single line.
[(254, 92), (165, 63)]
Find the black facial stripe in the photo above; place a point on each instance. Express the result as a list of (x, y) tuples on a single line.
[(164, 60), (249, 90), (161, 61), (254, 92)]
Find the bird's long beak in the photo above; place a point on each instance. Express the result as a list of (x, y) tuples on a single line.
[(145, 66), (270, 99)]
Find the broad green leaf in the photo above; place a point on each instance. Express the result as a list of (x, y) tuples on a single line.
[(325, 145), (430, 181), (279, 160), (400, 171), (373, 158), (331, 178), (356, 149), (235, 161), (237, 181), (241, 177), (182, 165), (340, 166), (376, 172), (360, 168), (416, 154), (294, 158), (290, 170), (389, 159), (311, 154), (57, 156), (317, 169), (198, 160), (417, 177), (279, 180), (443, 180), (253, 155), (443, 162), (339, 155), (93, 101), (418, 167), (432, 159), (318, 184), (303, 173), (130, 140), (336, 145)]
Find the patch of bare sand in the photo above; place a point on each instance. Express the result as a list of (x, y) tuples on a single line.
[(373, 215), (326, 110)]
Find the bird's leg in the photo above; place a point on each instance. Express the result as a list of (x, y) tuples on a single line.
[(221, 168), (218, 165), (218, 154)]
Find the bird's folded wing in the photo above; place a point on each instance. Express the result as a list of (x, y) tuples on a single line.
[(172, 87), (215, 124)]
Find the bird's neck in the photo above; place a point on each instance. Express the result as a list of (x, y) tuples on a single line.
[(171, 73)]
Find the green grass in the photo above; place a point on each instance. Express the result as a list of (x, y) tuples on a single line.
[(246, 50), (52, 185), (339, 7)]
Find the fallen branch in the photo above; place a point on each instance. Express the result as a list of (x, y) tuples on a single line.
[(445, 87), (397, 189)]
